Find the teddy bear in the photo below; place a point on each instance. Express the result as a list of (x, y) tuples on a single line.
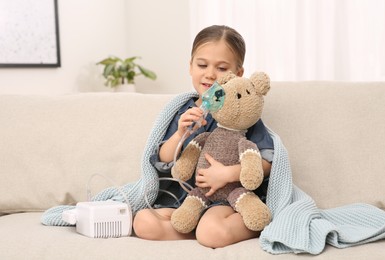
[(227, 144)]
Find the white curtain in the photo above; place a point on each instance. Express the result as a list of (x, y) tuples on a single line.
[(294, 40)]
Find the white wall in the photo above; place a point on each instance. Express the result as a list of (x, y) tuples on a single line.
[(159, 32), (90, 30)]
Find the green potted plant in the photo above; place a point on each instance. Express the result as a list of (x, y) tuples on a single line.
[(119, 72)]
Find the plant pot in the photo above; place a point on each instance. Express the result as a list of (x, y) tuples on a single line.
[(125, 88)]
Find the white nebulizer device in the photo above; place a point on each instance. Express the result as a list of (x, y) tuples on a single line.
[(101, 219)]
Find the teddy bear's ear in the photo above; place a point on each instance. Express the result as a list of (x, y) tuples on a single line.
[(261, 82), (229, 75)]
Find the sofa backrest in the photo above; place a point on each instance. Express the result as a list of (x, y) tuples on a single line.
[(335, 136), (50, 146)]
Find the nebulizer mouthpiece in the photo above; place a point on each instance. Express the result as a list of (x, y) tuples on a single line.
[(213, 98), (212, 101)]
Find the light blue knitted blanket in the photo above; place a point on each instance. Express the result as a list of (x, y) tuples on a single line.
[(298, 225)]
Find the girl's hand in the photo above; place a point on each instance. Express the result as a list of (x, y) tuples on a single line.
[(168, 149), (216, 176), (187, 118)]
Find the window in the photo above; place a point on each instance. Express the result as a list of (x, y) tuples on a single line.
[(295, 40)]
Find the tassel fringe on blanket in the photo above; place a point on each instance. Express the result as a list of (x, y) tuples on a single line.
[(298, 226)]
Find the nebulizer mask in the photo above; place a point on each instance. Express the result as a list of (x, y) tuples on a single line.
[(213, 98), (212, 101)]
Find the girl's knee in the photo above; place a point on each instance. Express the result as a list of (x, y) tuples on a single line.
[(214, 235), (146, 225)]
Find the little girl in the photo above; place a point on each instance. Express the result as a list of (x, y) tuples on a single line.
[(215, 51)]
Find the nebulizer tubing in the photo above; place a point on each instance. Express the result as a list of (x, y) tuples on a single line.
[(165, 191), (212, 101), (190, 130)]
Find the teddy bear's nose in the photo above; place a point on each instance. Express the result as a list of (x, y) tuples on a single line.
[(239, 95)]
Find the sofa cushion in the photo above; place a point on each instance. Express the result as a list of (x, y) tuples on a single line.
[(51, 145), (23, 237)]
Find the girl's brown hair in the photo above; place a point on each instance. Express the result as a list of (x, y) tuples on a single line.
[(218, 32)]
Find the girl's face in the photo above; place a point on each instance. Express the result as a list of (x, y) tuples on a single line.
[(211, 61)]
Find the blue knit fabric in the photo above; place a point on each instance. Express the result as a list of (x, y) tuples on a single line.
[(298, 226)]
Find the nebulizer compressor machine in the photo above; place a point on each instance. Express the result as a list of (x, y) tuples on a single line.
[(107, 219)]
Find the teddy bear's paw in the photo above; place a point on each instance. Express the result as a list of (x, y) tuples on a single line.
[(251, 179), (255, 214), (175, 170), (185, 166), (181, 170), (186, 217), (251, 175), (251, 169)]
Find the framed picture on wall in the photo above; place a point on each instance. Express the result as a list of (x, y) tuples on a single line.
[(29, 33)]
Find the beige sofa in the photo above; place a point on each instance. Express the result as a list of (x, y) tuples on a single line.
[(51, 145)]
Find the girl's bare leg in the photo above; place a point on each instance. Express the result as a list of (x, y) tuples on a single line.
[(221, 226), (149, 226)]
